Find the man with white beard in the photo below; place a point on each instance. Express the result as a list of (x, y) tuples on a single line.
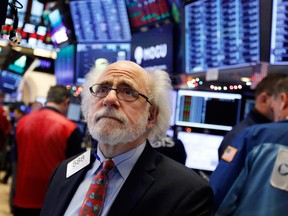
[(125, 106)]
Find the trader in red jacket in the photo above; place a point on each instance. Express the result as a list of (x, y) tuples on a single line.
[(44, 138)]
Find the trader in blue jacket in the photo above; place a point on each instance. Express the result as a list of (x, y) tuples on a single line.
[(261, 111), (251, 178)]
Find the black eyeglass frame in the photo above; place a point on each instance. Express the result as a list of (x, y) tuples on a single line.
[(115, 89)]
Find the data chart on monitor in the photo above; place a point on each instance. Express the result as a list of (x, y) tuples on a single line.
[(210, 110)]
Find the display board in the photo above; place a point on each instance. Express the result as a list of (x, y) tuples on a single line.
[(64, 65), (100, 21), (221, 34), (210, 110), (279, 33), (86, 54), (9, 81), (18, 62), (145, 13)]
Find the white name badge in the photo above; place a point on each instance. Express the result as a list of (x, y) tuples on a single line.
[(279, 178), (78, 163)]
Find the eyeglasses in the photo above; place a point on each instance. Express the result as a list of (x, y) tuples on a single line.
[(122, 93)]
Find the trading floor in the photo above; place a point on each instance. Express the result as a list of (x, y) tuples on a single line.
[(4, 197)]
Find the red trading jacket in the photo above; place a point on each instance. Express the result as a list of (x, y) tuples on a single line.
[(5, 127), (41, 139)]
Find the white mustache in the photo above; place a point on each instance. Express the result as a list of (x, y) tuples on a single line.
[(110, 114)]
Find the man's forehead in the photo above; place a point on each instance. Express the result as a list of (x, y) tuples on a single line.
[(124, 73), (118, 80)]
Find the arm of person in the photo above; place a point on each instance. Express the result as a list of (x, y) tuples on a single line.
[(229, 167)]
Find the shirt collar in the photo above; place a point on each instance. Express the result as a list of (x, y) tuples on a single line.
[(124, 162)]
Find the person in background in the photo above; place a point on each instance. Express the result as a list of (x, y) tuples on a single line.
[(125, 106), (18, 111), (5, 128), (2, 98), (35, 106), (261, 113), (251, 178), (43, 139)]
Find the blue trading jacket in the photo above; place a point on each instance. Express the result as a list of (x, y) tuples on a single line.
[(238, 188), (253, 117)]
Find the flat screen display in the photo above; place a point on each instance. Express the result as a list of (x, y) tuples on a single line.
[(36, 12), (87, 54), (209, 110), (201, 150), (9, 82), (17, 62), (45, 65), (100, 21), (64, 65), (221, 34), (279, 33), (74, 112), (144, 13)]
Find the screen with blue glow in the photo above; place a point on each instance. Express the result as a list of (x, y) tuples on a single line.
[(221, 34), (9, 82), (86, 54), (279, 33), (64, 65), (100, 21)]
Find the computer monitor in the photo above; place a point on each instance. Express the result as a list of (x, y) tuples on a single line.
[(201, 149), (237, 45), (208, 110), (100, 21), (9, 81), (74, 112), (86, 54)]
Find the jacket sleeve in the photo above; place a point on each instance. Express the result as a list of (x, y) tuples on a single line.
[(226, 172)]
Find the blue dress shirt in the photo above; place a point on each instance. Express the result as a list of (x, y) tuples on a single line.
[(117, 176)]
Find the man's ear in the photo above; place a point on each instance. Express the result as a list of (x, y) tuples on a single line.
[(153, 113), (67, 101), (284, 101), (263, 97)]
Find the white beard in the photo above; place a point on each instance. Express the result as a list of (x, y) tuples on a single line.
[(116, 130)]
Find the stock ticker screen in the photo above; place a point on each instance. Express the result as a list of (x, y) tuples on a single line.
[(221, 34), (87, 54), (100, 21), (142, 12), (279, 33)]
